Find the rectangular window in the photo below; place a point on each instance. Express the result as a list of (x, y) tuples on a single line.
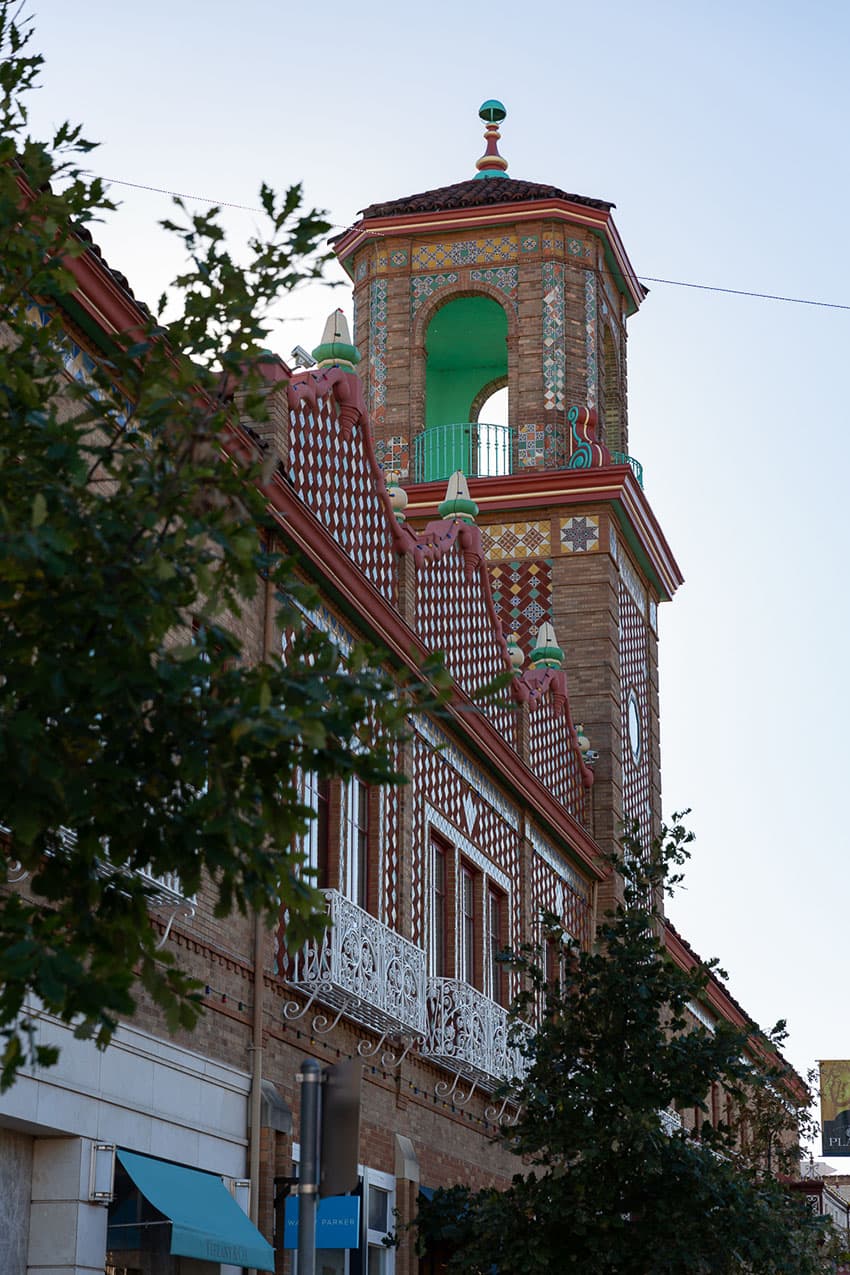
[(378, 1204), (315, 844), (357, 841), (495, 944), (438, 908), (466, 947)]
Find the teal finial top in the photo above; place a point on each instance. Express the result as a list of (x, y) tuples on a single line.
[(491, 163), (491, 111)]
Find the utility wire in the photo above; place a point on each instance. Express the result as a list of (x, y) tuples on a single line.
[(179, 194), (739, 292), (644, 278)]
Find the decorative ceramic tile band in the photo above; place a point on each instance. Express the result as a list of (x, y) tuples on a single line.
[(590, 337), (505, 278), (464, 252), (554, 354), (517, 540), (378, 347), (425, 285)]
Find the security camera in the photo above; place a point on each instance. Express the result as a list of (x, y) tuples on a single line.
[(301, 358), (591, 756)]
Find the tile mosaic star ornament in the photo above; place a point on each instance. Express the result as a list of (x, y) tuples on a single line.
[(580, 535)]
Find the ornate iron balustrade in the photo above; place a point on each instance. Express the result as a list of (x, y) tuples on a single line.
[(477, 448), (169, 895), (167, 892), (365, 970), (671, 1121), (621, 458), (471, 1033)]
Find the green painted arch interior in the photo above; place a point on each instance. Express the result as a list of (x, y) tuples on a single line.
[(466, 349)]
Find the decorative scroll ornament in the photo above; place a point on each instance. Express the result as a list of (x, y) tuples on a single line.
[(585, 451), (168, 895), (498, 1118)]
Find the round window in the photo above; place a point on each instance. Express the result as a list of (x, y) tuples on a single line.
[(633, 714)]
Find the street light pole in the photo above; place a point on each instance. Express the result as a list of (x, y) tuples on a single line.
[(310, 1079)]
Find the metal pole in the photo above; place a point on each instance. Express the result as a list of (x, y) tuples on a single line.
[(310, 1079)]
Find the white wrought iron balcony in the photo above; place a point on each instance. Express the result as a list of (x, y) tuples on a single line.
[(469, 1032), (365, 970), (671, 1121), (170, 896)]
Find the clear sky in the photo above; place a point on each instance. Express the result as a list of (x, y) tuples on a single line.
[(720, 132)]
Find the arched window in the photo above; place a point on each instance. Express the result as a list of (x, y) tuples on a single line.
[(466, 361)]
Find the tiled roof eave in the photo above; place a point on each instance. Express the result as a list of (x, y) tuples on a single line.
[(478, 194)]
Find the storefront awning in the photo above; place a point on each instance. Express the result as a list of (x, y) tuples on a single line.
[(206, 1221)]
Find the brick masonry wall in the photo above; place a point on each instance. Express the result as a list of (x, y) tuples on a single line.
[(590, 303)]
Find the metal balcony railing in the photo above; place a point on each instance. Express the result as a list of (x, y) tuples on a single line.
[(470, 1032), (365, 969), (168, 885), (671, 1121), (621, 458), (478, 449)]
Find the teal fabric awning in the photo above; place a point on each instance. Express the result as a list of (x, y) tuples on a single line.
[(206, 1221)]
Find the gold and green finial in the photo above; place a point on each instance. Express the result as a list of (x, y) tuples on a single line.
[(546, 652), (458, 502), (491, 163), (336, 349)]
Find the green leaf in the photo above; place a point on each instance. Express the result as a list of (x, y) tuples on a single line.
[(39, 509)]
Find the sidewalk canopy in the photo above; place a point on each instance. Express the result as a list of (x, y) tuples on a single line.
[(206, 1221)]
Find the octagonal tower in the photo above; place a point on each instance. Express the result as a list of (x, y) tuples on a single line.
[(496, 283)]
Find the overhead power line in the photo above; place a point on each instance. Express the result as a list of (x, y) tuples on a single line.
[(644, 278), (741, 292)]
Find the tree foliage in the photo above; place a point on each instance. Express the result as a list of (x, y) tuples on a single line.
[(607, 1187), (140, 729)]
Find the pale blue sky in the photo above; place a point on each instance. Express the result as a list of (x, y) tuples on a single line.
[(720, 131)]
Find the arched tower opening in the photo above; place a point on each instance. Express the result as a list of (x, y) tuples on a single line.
[(466, 361)]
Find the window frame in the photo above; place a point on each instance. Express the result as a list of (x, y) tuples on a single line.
[(356, 840), (461, 853)]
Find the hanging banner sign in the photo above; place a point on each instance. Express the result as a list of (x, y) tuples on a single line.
[(337, 1222), (835, 1107)]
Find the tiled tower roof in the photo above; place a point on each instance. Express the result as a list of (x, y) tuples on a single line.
[(478, 193)]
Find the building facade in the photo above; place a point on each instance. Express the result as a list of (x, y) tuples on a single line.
[(526, 546)]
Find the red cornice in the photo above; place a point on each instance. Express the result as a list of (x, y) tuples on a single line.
[(595, 219), (725, 1006), (533, 489), (99, 293)]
